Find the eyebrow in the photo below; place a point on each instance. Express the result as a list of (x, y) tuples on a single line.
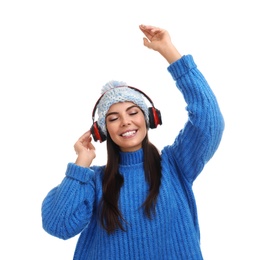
[(115, 113)]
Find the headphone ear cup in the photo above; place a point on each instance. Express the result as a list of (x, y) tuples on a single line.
[(97, 133), (154, 117)]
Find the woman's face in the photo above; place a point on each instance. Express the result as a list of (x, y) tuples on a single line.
[(126, 126)]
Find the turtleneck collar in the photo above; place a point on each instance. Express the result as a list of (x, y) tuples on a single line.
[(129, 158)]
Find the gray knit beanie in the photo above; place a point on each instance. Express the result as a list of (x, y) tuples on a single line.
[(114, 92)]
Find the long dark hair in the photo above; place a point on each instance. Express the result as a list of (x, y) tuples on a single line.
[(110, 215)]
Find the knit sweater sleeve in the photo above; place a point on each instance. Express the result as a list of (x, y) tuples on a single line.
[(68, 208), (201, 135)]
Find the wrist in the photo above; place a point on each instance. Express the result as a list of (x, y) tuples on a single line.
[(170, 53), (81, 162)]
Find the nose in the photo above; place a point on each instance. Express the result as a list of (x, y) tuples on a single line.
[(125, 120)]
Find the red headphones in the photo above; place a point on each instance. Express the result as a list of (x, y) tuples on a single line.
[(154, 118)]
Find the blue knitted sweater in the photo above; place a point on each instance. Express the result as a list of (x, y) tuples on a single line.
[(71, 208)]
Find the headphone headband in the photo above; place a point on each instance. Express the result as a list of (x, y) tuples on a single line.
[(153, 114), (95, 107)]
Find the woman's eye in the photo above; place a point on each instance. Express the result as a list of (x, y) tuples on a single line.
[(133, 113), (112, 119)]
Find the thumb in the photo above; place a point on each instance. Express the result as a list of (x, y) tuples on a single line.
[(146, 42)]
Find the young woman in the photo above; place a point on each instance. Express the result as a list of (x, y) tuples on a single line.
[(140, 205)]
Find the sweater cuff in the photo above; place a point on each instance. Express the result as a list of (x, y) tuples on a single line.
[(181, 66), (82, 174)]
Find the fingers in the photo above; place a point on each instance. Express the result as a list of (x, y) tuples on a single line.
[(85, 136), (85, 139), (153, 34), (145, 30), (91, 146), (149, 30)]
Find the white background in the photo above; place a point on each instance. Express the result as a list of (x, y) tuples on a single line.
[(54, 58)]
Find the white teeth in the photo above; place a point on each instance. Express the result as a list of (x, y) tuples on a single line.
[(129, 133)]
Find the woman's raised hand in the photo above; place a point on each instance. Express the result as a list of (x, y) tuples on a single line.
[(159, 40)]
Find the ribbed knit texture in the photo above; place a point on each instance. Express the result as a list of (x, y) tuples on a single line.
[(173, 234)]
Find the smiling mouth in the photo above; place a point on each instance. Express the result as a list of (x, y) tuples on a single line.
[(129, 133)]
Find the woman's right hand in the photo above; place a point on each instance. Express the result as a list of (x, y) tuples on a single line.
[(85, 150)]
